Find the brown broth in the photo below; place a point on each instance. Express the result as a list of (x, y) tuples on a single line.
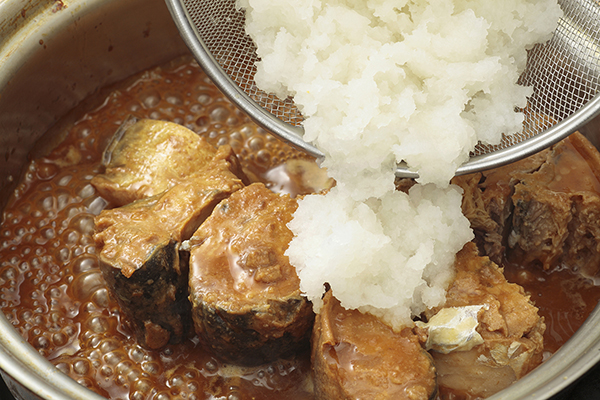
[(52, 290), (564, 299), (53, 293)]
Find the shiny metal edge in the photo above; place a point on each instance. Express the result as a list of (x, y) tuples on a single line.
[(534, 144), (18, 358), (524, 148), (25, 365), (292, 134), (569, 363), (26, 26)]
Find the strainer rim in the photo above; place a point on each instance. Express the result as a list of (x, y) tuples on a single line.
[(293, 134)]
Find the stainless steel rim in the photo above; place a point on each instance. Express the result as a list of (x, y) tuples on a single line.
[(568, 364), (534, 144), (24, 364), (480, 160), (291, 133)]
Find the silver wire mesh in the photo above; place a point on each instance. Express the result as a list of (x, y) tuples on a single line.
[(565, 72), (221, 26)]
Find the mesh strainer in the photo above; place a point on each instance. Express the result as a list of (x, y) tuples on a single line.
[(565, 75)]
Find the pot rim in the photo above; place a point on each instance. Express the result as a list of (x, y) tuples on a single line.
[(23, 363), (23, 23)]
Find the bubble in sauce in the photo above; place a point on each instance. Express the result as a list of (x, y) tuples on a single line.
[(51, 287)]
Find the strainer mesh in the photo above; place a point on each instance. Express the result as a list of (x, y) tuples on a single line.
[(565, 72), (221, 26)]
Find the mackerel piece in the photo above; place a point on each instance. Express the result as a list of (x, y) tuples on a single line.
[(357, 356), (246, 300), (146, 157), (140, 257)]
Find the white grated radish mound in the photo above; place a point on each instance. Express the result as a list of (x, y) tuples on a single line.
[(373, 255), (426, 79), (378, 82)]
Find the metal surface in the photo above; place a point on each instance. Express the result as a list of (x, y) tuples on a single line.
[(77, 38), (565, 74), (51, 58)]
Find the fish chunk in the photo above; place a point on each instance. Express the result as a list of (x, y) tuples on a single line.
[(541, 211), (146, 157), (246, 301), (487, 202), (557, 207), (139, 252), (356, 356), (508, 322)]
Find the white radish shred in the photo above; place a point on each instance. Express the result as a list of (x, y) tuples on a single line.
[(384, 81)]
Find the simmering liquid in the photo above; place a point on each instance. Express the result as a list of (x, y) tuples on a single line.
[(53, 293), (52, 290)]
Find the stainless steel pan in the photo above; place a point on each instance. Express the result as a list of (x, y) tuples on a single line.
[(52, 55)]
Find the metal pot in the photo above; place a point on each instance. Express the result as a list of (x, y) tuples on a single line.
[(53, 54)]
